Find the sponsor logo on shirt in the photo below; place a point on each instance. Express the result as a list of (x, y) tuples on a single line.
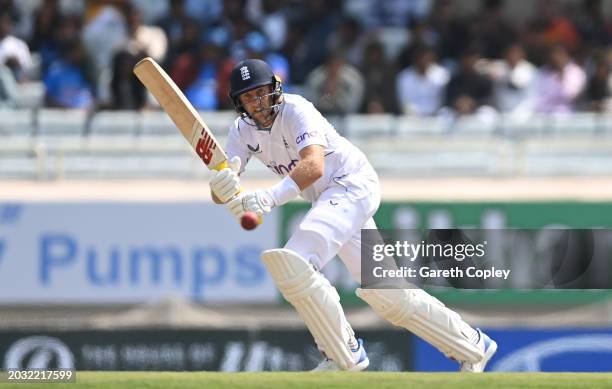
[(305, 136), (281, 169), (254, 149)]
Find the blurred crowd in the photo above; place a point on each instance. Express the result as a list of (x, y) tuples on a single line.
[(416, 57)]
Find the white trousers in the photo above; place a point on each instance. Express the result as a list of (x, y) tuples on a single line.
[(333, 227), (333, 224)]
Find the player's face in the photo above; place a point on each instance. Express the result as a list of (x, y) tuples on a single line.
[(257, 103)]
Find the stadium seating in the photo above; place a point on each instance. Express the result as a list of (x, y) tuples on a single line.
[(156, 123), (115, 122), (61, 121), (16, 122), (52, 143)]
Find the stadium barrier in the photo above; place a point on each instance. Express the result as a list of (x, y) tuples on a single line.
[(54, 144), (485, 215), (138, 251), (534, 349), (189, 350)]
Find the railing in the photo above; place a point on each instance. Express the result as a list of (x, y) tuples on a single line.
[(54, 144)]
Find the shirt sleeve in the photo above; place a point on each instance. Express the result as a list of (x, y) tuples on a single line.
[(236, 147), (308, 127)]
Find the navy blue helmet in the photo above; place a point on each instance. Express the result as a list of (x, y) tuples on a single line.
[(250, 74)]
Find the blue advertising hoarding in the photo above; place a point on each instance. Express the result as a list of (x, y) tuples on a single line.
[(549, 350), (130, 252)]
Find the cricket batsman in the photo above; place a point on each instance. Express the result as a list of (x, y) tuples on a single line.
[(289, 135)]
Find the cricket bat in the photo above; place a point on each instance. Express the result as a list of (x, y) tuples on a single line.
[(183, 114)]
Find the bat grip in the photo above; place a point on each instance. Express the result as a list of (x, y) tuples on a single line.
[(221, 166), (224, 165)]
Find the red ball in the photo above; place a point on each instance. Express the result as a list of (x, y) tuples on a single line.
[(249, 220)]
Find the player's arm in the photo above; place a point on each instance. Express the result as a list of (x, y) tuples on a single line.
[(311, 148), (308, 170), (310, 167)]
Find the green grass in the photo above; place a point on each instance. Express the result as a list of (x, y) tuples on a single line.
[(369, 380)]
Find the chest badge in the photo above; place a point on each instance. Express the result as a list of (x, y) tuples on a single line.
[(254, 149)]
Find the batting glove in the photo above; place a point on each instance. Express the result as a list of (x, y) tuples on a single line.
[(236, 207), (226, 183), (260, 202)]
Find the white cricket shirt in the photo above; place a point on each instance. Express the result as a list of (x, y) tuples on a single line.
[(297, 125)]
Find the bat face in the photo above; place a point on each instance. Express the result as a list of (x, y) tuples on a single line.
[(187, 119), (182, 113), (206, 146)]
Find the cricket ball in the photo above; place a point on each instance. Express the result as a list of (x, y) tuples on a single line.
[(249, 220)]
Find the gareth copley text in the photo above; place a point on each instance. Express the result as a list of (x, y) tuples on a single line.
[(427, 272)]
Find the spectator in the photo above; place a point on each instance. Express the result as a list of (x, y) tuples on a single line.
[(207, 12), (468, 91), (513, 77), (348, 38), (399, 13), (9, 90), (68, 81), (234, 11), (295, 50), (127, 92), (274, 23), (595, 31), (189, 41), (559, 83), (256, 46), (379, 76), (550, 27), (491, 30), (150, 39), (253, 45), (392, 13), (420, 88), (336, 87), (317, 22), (223, 81), (237, 24), (175, 22), (221, 38), (150, 10), (453, 35), (14, 53), (598, 93), (104, 33), (20, 13), (46, 19), (67, 28), (592, 25), (421, 34), (197, 74)]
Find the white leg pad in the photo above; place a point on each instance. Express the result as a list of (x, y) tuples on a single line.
[(316, 301), (425, 316)]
